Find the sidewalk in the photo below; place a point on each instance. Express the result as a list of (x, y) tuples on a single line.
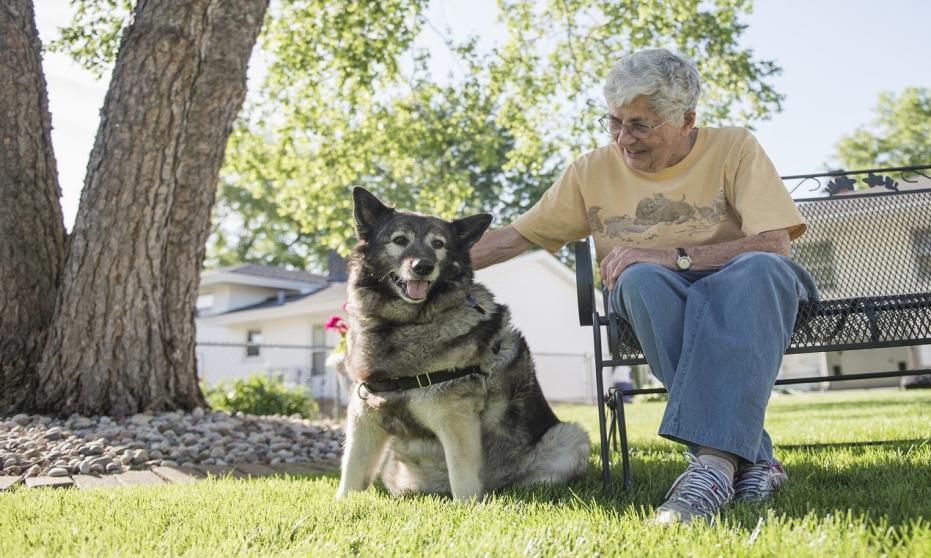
[(170, 475)]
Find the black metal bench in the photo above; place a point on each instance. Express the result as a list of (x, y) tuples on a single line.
[(869, 252)]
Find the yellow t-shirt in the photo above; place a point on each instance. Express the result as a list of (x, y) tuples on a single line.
[(726, 188)]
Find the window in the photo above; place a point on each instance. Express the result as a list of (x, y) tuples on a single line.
[(921, 250), (818, 259), (318, 356), (253, 342)]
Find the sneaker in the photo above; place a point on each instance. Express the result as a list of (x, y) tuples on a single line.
[(699, 492), (757, 481)]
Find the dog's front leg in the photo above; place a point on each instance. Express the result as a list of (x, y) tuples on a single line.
[(460, 432), (365, 443), (462, 445)]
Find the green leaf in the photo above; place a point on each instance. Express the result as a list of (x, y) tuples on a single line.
[(900, 135)]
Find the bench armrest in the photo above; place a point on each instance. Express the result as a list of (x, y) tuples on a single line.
[(584, 281)]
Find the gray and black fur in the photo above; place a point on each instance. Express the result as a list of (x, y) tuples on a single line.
[(466, 436)]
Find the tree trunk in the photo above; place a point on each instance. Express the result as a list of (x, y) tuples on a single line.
[(32, 232), (122, 336)]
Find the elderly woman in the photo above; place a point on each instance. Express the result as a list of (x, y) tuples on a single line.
[(691, 229)]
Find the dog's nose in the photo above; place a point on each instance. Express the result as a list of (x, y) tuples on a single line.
[(423, 267)]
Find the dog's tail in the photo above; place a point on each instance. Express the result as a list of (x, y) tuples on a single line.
[(560, 456)]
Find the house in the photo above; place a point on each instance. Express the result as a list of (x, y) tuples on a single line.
[(256, 319)]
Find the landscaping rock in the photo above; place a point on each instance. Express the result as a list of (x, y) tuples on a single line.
[(40, 446)]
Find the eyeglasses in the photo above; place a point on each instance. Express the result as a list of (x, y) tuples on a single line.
[(638, 130)]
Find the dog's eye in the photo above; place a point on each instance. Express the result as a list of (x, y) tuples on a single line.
[(438, 244), (400, 240)]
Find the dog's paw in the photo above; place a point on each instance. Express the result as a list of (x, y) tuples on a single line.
[(469, 497)]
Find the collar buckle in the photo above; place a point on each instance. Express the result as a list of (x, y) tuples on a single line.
[(470, 300)]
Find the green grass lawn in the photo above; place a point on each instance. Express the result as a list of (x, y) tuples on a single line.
[(842, 500)]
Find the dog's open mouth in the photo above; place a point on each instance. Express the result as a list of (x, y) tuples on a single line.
[(413, 289)]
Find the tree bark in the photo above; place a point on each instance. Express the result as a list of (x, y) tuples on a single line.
[(122, 336), (32, 231)]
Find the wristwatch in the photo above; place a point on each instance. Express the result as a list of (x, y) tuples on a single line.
[(683, 261)]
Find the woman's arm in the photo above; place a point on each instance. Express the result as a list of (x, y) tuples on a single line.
[(498, 245), (704, 258)]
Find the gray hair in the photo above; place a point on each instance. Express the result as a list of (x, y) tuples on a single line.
[(671, 82)]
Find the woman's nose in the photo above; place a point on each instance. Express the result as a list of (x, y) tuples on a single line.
[(624, 137)]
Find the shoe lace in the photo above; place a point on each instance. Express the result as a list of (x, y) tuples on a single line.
[(752, 480), (701, 487)]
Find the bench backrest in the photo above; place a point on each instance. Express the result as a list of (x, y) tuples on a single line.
[(867, 244), (870, 253)]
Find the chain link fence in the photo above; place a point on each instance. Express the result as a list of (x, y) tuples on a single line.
[(564, 377), (292, 365)]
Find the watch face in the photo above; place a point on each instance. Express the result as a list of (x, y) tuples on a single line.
[(684, 262)]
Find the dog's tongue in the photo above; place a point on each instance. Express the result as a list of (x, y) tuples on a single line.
[(417, 289)]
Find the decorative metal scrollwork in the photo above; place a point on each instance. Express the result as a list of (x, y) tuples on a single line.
[(875, 180), (842, 182)]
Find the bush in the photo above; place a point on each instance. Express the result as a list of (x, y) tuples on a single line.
[(258, 395)]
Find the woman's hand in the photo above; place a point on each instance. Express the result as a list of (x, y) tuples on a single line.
[(621, 257)]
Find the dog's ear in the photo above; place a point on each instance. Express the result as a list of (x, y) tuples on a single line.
[(368, 211), (470, 229)]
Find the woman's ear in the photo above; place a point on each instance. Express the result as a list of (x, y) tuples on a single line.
[(689, 122)]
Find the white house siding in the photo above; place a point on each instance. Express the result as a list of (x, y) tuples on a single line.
[(221, 362), (802, 365), (924, 356), (237, 296), (873, 265), (869, 360), (540, 291)]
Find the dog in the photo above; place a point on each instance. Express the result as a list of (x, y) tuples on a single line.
[(445, 399)]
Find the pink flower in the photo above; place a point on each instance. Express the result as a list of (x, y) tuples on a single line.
[(338, 324)]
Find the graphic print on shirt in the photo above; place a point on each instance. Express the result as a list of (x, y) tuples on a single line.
[(658, 211)]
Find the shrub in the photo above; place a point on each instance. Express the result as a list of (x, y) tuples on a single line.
[(258, 395)]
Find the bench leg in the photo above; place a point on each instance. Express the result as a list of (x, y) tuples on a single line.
[(614, 400), (602, 419), (602, 426), (622, 431)]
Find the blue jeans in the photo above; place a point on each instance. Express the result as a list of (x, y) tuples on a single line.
[(715, 339)]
